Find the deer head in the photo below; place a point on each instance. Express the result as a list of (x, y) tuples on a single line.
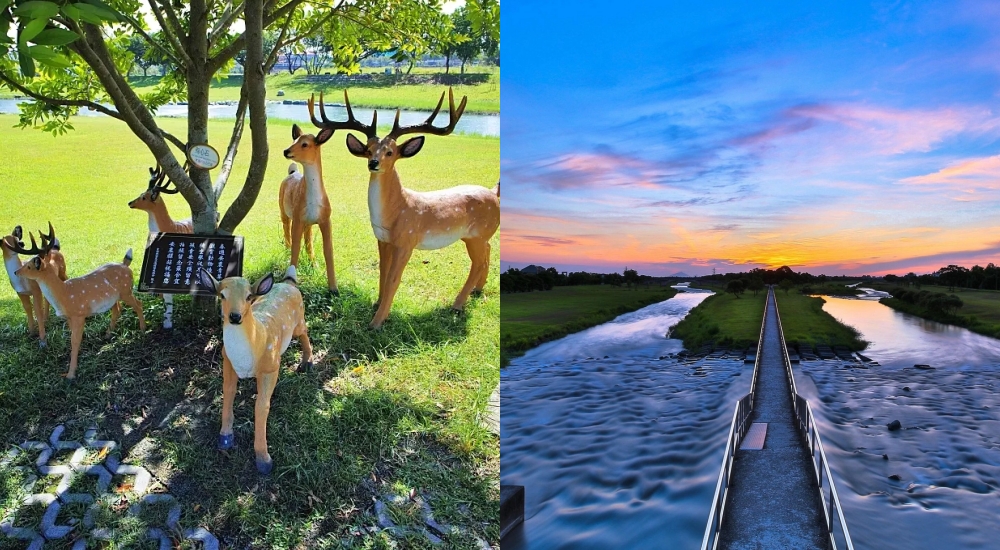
[(39, 265), (382, 154), (156, 186), (305, 148), (12, 241), (236, 294)]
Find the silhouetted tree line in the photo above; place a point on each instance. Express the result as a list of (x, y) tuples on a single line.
[(953, 276), (774, 276), (515, 280), (938, 302)]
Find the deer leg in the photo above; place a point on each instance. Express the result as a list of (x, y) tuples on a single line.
[(76, 336), (302, 334), (265, 387), (384, 258), (296, 241), (307, 236), (397, 263), (116, 310), (485, 269), (331, 275), (41, 307), (229, 379), (28, 308), (136, 306), (476, 249), (168, 311), (285, 220)]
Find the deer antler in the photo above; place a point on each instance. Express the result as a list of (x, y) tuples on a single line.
[(351, 123), (428, 126), (48, 241), (156, 185)]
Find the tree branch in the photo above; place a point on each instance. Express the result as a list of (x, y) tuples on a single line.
[(239, 43), (55, 101), (172, 36), (224, 22), (234, 143), (253, 80)]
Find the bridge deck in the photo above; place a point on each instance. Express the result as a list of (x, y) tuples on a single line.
[(773, 501)]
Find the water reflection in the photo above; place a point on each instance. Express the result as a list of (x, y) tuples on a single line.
[(620, 451), (902, 340)]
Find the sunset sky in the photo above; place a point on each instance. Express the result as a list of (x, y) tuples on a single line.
[(687, 136)]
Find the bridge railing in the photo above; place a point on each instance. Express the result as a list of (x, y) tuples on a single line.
[(833, 511), (737, 429)]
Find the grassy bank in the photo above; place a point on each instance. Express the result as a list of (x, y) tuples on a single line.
[(806, 324), (381, 413), (722, 319), (484, 96), (531, 318), (980, 312)]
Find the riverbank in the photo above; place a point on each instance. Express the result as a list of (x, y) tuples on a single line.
[(723, 320), (727, 321), (528, 319), (805, 323), (980, 311)]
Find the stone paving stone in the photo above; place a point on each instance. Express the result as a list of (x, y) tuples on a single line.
[(108, 466)]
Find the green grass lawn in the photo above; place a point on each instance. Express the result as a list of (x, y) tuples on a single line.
[(806, 324), (530, 318), (483, 97), (381, 412), (723, 319), (980, 312)]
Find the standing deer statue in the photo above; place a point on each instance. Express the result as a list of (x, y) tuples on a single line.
[(404, 220), (36, 308), (302, 197), (82, 297), (258, 323), (160, 221)]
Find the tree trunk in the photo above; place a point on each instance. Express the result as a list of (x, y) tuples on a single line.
[(447, 63), (463, 67), (410, 68)]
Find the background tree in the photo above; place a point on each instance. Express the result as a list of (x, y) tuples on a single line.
[(67, 55), (786, 285), (631, 277), (756, 284), (735, 288), (317, 55)]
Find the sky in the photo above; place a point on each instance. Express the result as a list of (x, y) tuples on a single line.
[(851, 138)]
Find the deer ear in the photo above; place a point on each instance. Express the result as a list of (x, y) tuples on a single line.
[(324, 135), (411, 147), (18, 232), (36, 263), (355, 146), (207, 281), (296, 131), (264, 285)]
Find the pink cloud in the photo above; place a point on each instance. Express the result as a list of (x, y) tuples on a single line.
[(976, 172)]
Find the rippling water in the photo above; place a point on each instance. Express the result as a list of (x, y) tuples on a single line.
[(947, 454), (616, 448)]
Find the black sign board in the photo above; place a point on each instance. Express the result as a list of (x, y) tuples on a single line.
[(173, 260)]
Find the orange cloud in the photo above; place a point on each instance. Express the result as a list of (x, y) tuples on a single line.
[(978, 172)]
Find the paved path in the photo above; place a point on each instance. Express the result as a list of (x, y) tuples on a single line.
[(773, 501)]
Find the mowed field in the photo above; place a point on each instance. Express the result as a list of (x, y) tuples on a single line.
[(389, 412), (980, 311), (484, 97), (530, 318), (805, 323), (723, 319)]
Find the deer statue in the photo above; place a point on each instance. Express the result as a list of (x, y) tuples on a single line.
[(82, 297), (160, 221), (36, 308), (302, 197), (404, 220), (258, 322)]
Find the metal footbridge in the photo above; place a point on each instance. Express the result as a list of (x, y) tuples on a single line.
[(775, 488)]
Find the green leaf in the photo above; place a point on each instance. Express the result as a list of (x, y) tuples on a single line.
[(31, 30), (55, 37), (37, 9), (49, 57), (27, 64), (71, 11), (115, 15), (5, 3), (95, 11)]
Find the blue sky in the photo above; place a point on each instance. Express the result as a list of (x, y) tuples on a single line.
[(859, 137)]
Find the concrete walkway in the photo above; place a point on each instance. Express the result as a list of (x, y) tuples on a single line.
[(773, 501)]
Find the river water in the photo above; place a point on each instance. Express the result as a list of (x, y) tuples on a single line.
[(948, 453), (484, 125), (616, 447)]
